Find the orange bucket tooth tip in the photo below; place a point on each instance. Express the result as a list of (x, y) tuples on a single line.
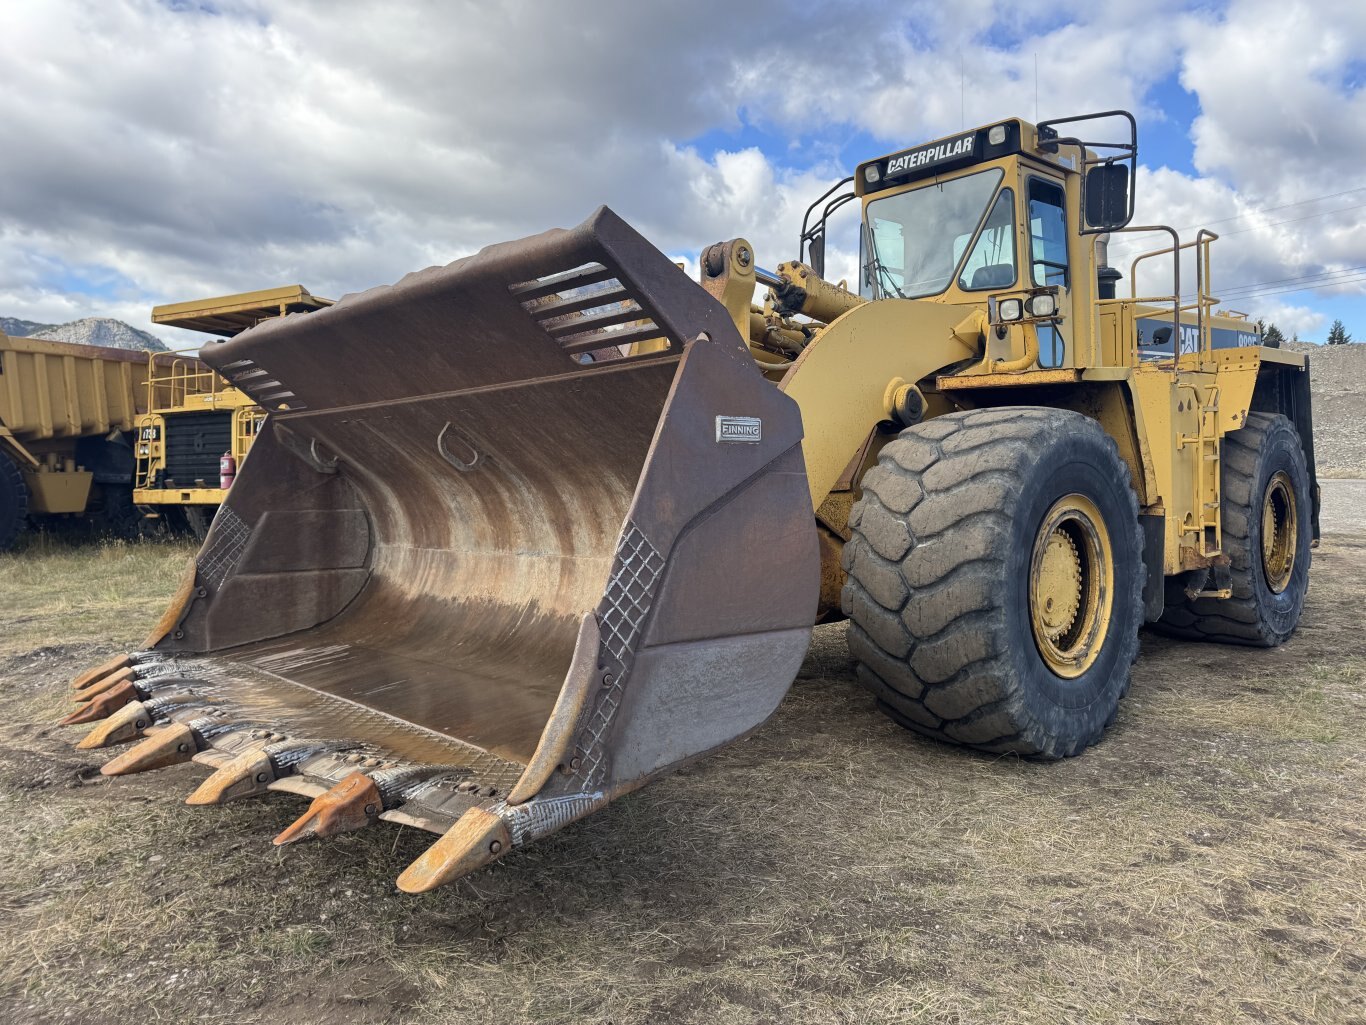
[(77, 717), (108, 683), (478, 838), (352, 804), (103, 705), (88, 677), (246, 775), (169, 745), (128, 723)]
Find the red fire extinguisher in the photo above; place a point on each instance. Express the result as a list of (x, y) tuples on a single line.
[(227, 470)]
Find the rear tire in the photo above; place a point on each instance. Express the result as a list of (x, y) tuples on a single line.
[(117, 517), (198, 519), (960, 527), (13, 503), (1265, 493)]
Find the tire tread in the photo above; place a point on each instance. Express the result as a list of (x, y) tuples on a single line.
[(1238, 619), (939, 666)]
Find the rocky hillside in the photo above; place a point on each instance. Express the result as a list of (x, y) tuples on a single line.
[(16, 328), (87, 331), (1337, 380)]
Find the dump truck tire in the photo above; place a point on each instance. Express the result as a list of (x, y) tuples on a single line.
[(117, 517), (198, 519), (13, 503), (1267, 535), (960, 524)]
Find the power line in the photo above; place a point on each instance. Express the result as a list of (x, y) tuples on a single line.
[(1299, 283), (1258, 227), (1291, 220), (1256, 291), (1273, 209), (1302, 278), (1294, 288)]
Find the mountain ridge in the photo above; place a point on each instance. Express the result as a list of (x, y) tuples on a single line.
[(105, 331), (16, 328)]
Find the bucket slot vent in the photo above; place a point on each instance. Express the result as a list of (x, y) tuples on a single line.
[(593, 314)]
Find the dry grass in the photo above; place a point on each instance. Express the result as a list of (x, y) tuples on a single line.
[(1206, 863), (53, 592)]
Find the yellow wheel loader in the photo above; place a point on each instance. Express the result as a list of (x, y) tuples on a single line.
[(524, 532)]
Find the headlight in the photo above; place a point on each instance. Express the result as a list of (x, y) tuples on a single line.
[(997, 135), (1044, 305), (1009, 309), (872, 174)]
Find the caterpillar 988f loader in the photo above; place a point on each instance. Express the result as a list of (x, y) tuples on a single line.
[(524, 532)]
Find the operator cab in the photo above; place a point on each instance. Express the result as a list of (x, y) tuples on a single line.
[(997, 210)]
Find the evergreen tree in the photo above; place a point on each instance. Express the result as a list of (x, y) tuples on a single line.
[(1273, 336), (1337, 334)]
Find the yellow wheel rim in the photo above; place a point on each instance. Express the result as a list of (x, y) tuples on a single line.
[(1071, 588), (1280, 531)]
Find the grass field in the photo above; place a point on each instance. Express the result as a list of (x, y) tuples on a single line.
[(1206, 863)]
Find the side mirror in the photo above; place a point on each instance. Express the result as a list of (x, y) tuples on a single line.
[(1107, 196), (815, 255)]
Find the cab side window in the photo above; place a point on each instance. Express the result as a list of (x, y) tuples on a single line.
[(1047, 233), (887, 275), (991, 264)]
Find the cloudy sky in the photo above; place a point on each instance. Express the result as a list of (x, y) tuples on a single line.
[(155, 152)]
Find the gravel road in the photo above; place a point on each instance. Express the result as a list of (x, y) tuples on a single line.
[(1344, 506)]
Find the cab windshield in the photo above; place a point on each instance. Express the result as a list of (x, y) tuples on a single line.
[(914, 241)]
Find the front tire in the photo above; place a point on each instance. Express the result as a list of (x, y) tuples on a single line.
[(1267, 535), (995, 580)]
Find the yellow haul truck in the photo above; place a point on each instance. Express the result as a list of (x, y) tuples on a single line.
[(527, 531), (66, 413), (197, 428)]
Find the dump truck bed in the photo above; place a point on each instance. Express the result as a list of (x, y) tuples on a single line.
[(228, 315), (64, 390)]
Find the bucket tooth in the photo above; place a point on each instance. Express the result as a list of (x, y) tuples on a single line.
[(247, 775), (103, 705), (88, 677), (105, 683), (477, 838), (352, 804), (128, 723), (170, 745)]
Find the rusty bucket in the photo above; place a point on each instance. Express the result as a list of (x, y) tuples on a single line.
[(520, 534)]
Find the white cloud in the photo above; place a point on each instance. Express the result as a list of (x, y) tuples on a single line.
[(343, 144), (1294, 321), (1281, 117)]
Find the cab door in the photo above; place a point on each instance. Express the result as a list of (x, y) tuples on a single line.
[(1046, 228)]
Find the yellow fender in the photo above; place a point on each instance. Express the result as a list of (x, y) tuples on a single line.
[(840, 380)]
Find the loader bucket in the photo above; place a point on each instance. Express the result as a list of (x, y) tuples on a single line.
[(520, 534)]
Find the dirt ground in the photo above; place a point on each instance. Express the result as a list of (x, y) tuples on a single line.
[(1205, 863)]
